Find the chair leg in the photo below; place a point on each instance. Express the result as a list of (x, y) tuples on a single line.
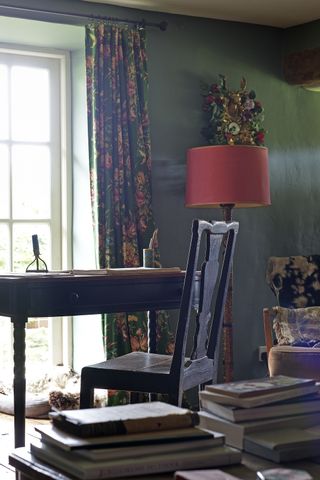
[(175, 398), (134, 397), (86, 393), (86, 398)]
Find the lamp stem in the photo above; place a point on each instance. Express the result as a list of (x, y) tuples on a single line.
[(227, 319)]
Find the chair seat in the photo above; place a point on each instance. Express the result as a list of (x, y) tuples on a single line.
[(301, 362), (138, 361), (136, 371)]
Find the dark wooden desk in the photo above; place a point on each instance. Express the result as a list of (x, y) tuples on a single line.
[(28, 467), (61, 294)]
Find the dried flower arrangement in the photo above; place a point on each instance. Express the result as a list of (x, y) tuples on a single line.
[(235, 117)]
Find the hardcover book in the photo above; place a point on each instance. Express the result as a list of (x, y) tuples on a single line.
[(143, 271), (57, 437), (280, 445), (308, 404), (235, 432), (100, 454), (134, 271), (140, 465), (122, 419), (259, 386), (265, 399)]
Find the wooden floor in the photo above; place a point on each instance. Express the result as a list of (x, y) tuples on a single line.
[(7, 442)]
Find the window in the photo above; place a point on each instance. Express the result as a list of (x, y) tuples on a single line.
[(33, 182)]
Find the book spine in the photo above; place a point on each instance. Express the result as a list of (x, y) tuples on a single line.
[(120, 427), (234, 433), (162, 466)]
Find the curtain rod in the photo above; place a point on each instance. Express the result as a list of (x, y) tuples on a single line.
[(142, 23)]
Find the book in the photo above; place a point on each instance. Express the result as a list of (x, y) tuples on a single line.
[(259, 386), (235, 432), (120, 271), (204, 475), (143, 271), (132, 418), (97, 454), (56, 437), (139, 465), (310, 403), (281, 445), (258, 400)]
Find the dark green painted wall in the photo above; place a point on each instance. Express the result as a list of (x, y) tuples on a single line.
[(302, 37), (194, 50)]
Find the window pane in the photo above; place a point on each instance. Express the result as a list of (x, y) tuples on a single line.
[(6, 356), (30, 104), (4, 248), (31, 189), (37, 351), (4, 182), (22, 245), (37, 346), (4, 105)]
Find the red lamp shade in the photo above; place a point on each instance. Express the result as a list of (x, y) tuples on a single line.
[(227, 174)]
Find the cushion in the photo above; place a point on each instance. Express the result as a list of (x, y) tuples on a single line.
[(297, 326), (295, 280), (300, 362), (37, 406), (58, 389)]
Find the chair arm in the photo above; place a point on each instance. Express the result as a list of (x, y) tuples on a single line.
[(267, 325)]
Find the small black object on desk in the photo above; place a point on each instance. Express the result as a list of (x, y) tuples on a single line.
[(37, 259)]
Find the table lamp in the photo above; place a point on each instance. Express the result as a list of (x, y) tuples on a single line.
[(227, 176)]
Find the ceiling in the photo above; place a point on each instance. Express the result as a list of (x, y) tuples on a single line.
[(276, 13)]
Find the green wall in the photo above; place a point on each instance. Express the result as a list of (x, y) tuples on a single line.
[(194, 50), (302, 37)]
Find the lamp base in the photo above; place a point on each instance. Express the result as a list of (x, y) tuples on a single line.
[(227, 211), (227, 319)]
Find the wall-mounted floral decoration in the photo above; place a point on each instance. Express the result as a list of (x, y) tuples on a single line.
[(235, 116)]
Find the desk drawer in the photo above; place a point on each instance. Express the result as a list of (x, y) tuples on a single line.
[(89, 299)]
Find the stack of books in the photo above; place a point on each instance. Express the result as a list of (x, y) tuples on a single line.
[(277, 418), (129, 440)]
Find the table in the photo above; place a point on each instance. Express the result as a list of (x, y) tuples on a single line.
[(30, 468), (78, 293)]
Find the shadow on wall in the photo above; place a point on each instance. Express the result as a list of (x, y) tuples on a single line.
[(170, 175)]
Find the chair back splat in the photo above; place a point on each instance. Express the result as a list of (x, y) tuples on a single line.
[(203, 299)]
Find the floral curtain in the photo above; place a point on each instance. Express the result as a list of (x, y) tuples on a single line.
[(120, 169)]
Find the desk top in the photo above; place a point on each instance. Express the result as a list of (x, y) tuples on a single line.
[(106, 273), (85, 292)]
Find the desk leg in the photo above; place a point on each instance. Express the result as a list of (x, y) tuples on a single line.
[(152, 340), (19, 378)]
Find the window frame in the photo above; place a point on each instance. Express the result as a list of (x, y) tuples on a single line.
[(60, 330)]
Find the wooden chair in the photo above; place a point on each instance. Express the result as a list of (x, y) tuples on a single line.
[(173, 374)]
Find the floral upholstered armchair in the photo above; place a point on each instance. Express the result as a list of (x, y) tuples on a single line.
[(292, 328)]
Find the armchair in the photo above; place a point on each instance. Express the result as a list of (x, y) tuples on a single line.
[(292, 329)]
